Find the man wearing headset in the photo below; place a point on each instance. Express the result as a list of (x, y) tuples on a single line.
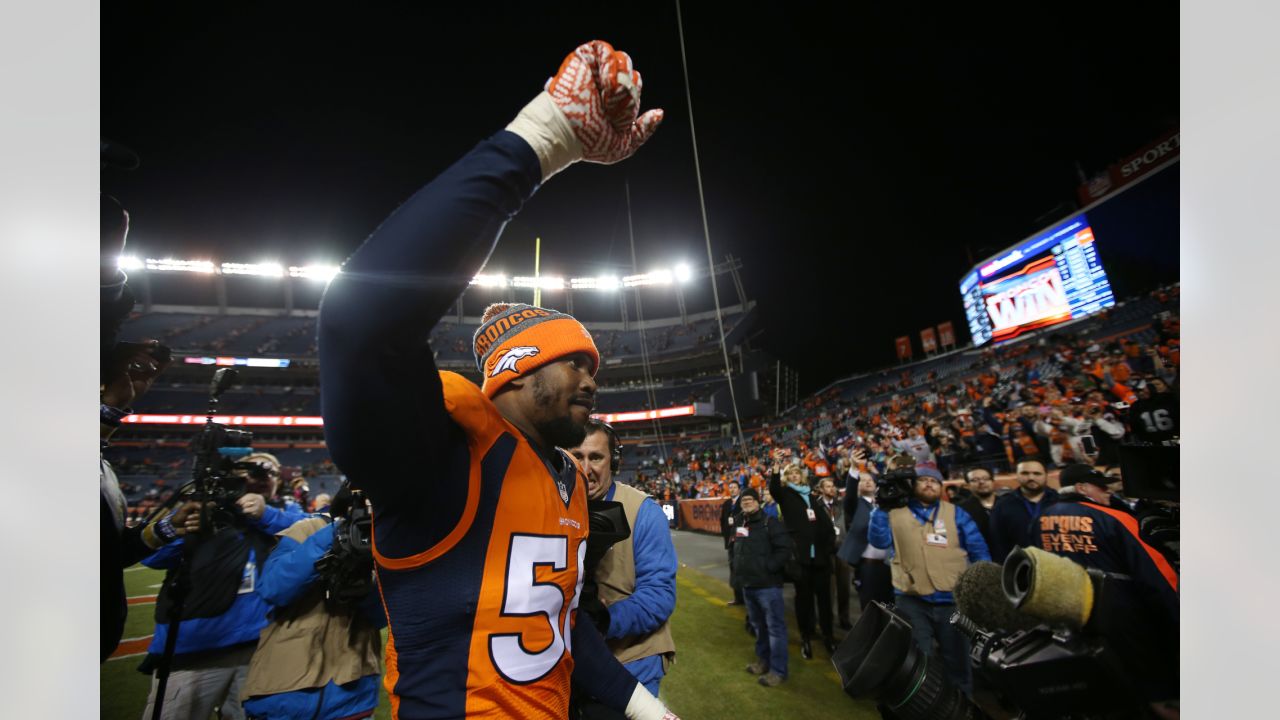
[(636, 577)]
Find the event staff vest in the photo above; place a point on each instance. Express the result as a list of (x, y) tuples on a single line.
[(480, 624), (616, 577), (919, 567)]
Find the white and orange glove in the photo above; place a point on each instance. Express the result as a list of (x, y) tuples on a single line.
[(588, 111), (644, 706)]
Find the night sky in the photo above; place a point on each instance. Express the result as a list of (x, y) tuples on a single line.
[(858, 158)]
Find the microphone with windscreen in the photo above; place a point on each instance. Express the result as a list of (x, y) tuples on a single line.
[(980, 597)]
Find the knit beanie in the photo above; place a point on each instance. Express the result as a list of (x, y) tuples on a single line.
[(515, 339)]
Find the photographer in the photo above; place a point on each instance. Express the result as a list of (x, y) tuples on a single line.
[(930, 543), (223, 613), (288, 679)]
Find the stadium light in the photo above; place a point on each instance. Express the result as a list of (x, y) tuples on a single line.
[(494, 280), (604, 282), (171, 265), (656, 277), (259, 269), (323, 273), (546, 282)]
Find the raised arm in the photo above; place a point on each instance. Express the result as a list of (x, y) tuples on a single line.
[(382, 399), (384, 415)]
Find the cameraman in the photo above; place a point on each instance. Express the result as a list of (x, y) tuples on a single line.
[(288, 679), (930, 543), (223, 612), (1139, 615)]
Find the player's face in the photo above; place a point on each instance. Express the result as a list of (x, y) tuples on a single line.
[(749, 504), (593, 453), (564, 395), (827, 488), (1031, 477)]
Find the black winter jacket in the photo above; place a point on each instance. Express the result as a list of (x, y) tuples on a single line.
[(760, 555)]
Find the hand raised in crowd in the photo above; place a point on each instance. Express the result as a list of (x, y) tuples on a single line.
[(252, 505)]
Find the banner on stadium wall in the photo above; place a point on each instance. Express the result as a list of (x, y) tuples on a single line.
[(1131, 168), (903, 345), (946, 335), (928, 341), (702, 514)]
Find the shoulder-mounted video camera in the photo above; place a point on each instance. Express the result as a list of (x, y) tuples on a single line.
[(217, 451), (609, 526), (893, 489), (346, 569)]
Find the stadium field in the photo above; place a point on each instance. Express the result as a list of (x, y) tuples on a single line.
[(707, 682)]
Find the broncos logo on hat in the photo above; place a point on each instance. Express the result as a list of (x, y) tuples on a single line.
[(509, 359)]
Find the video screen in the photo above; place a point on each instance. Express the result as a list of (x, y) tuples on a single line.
[(1050, 278)]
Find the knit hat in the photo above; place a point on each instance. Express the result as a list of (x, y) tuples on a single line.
[(928, 470), (515, 339), (751, 493)]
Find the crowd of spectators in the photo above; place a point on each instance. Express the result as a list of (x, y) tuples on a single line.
[(1061, 399)]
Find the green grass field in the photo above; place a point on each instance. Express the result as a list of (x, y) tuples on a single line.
[(707, 681)]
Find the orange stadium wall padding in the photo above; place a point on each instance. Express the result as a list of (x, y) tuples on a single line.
[(702, 515)]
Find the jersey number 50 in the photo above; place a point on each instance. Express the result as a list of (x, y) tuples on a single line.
[(525, 596)]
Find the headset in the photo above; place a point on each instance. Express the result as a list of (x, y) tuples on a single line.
[(615, 445)]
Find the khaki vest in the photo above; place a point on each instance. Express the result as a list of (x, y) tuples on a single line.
[(616, 577), (305, 646), (918, 567)]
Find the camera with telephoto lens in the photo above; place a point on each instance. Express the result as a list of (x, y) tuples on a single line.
[(608, 522), (217, 451), (346, 569), (1063, 667)]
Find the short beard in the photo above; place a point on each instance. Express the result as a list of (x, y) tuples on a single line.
[(560, 431)]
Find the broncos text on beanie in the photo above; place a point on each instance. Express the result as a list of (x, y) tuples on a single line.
[(515, 339)]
